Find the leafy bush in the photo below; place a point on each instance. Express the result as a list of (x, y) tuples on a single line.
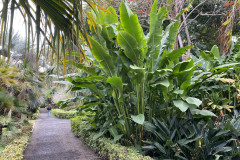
[(179, 138), (59, 113), (20, 90), (105, 147), (134, 78), (14, 150)]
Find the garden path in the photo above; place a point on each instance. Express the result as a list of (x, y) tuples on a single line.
[(52, 139)]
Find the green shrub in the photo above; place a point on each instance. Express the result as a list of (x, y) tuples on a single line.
[(59, 113), (104, 146), (14, 151)]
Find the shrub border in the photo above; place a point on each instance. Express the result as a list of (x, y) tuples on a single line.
[(105, 146), (62, 114), (14, 150)]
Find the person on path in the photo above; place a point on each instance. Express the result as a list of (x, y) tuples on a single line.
[(49, 109)]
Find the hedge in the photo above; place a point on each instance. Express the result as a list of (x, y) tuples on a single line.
[(14, 150), (104, 146), (59, 113)]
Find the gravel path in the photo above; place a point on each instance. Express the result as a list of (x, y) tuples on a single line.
[(52, 139)]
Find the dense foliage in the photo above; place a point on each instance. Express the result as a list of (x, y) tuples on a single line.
[(14, 150), (136, 81), (103, 146), (140, 92), (20, 97)]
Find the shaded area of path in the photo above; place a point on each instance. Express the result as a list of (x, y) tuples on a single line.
[(52, 139)]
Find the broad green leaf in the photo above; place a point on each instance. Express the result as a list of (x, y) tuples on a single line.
[(156, 20), (175, 54), (116, 83), (155, 35), (91, 86), (113, 131), (168, 40), (204, 56), (203, 112), (183, 71), (89, 70), (164, 83), (183, 106), (89, 78), (121, 121), (169, 57), (178, 91), (96, 136), (149, 126), (129, 22), (130, 46), (225, 66), (173, 31), (111, 18), (215, 51), (105, 35), (117, 137), (139, 119), (192, 100), (104, 59)]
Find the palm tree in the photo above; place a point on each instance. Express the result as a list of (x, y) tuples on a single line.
[(58, 22)]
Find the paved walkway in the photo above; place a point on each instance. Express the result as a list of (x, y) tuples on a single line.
[(52, 139)]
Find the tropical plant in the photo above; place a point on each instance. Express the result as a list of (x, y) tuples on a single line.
[(215, 80), (139, 75), (179, 138)]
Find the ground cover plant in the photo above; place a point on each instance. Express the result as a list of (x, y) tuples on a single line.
[(14, 149)]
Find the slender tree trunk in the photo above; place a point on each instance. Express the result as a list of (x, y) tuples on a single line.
[(187, 55)]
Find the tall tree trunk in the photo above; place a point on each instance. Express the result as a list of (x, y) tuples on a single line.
[(187, 55)]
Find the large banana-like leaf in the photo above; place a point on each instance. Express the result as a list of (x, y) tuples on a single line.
[(168, 40), (104, 59), (131, 24), (81, 83), (183, 71), (171, 57), (111, 18), (156, 20), (215, 52), (130, 46), (89, 70)]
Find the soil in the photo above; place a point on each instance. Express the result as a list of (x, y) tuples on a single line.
[(52, 139)]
